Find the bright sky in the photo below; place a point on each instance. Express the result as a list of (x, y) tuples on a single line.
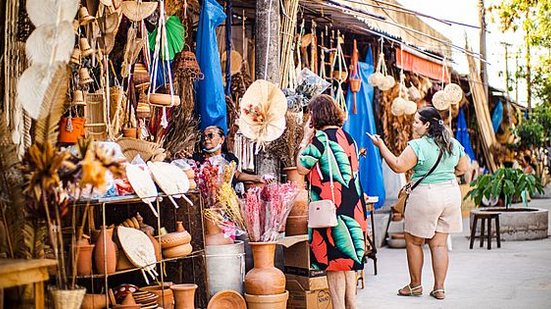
[(466, 11)]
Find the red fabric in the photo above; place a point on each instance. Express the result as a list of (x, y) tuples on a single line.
[(421, 66)]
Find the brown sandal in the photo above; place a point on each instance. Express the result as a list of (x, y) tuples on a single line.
[(434, 294), (412, 291)]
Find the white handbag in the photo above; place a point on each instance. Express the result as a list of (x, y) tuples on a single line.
[(323, 213)]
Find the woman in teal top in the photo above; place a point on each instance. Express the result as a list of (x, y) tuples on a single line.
[(434, 207)]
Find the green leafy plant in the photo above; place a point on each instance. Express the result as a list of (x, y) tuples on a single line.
[(531, 133), (508, 183)]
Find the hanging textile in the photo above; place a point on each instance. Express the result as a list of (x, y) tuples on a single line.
[(357, 124), (462, 134), (211, 102), (497, 116)]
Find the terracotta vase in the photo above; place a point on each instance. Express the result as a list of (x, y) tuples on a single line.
[(276, 301), (110, 256), (166, 297), (264, 278), (214, 235), (184, 295), (84, 259), (297, 221), (294, 177)]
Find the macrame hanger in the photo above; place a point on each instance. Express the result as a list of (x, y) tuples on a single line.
[(355, 76), (402, 75), (342, 72)]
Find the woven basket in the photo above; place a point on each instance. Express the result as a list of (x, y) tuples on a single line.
[(68, 299), (132, 146), (96, 116)]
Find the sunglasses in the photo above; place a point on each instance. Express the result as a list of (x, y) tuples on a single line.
[(209, 135)]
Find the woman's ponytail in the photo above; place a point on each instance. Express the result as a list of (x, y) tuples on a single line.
[(437, 129)]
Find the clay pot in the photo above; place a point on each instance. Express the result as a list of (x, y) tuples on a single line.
[(297, 221), (355, 84), (178, 251), (214, 235), (294, 177), (184, 295), (94, 301), (277, 301), (166, 297), (129, 132), (110, 257), (84, 259), (180, 237), (264, 278)]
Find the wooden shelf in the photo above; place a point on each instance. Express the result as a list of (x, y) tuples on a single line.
[(197, 253)]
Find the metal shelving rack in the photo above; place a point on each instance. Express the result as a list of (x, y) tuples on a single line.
[(197, 236)]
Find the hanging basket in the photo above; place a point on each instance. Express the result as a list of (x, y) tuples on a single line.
[(355, 85), (440, 100), (132, 146), (387, 83), (454, 93), (398, 106)]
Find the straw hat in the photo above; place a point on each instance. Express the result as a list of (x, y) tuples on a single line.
[(440, 100), (454, 93), (85, 49), (398, 106), (78, 98), (84, 17), (263, 109), (137, 11), (84, 76), (236, 62)]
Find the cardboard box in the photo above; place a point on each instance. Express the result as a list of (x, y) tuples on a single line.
[(297, 255), (304, 272), (320, 299), (301, 283)]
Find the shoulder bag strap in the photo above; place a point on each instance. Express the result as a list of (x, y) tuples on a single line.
[(430, 171)]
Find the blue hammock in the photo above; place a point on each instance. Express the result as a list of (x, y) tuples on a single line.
[(211, 102), (371, 173)]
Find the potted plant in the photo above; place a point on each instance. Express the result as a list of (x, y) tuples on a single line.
[(506, 184)]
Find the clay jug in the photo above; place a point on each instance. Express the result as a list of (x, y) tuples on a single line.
[(294, 177), (108, 255), (84, 259), (297, 221), (166, 297), (264, 278), (184, 295), (214, 235), (180, 237)]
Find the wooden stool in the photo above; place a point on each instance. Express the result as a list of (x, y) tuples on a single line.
[(486, 217)]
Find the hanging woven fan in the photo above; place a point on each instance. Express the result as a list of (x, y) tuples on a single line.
[(263, 109), (175, 34), (47, 12), (40, 44), (454, 93), (440, 100), (138, 10), (236, 62)]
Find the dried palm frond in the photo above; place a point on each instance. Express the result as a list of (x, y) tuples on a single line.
[(286, 147), (50, 42), (53, 107)]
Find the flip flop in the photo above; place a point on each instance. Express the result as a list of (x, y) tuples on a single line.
[(434, 292), (412, 291)]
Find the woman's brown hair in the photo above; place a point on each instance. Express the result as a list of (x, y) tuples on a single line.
[(325, 112)]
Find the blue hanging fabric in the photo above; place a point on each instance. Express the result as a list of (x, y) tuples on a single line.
[(462, 134), (371, 172), (497, 116), (211, 102)]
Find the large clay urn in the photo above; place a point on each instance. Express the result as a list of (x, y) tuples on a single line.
[(294, 177), (214, 235), (105, 253), (264, 278), (297, 221), (184, 295)]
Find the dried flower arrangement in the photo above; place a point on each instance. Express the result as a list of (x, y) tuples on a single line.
[(286, 147), (265, 210)]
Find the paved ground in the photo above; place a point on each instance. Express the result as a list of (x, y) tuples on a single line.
[(516, 276)]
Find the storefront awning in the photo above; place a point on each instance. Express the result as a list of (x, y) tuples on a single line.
[(422, 65)]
